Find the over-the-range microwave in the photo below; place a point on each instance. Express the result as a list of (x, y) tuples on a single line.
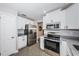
[(53, 26)]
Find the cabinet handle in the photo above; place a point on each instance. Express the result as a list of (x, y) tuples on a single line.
[(66, 27), (23, 39), (12, 37)]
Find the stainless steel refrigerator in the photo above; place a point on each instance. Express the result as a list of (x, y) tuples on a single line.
[(31, 35)]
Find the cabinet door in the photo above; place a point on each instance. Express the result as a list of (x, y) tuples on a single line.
[(72, 17), (46, 20), (22, 42), (0, 35), (62, 19), (63, 50), (25, 41), (21, 23), (42, 43), (8, 34)]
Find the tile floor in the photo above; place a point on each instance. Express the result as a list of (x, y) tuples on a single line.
[(34, 50)]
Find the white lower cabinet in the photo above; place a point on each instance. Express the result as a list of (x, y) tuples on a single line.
[(22, 42), (42, 43), (64, 49)]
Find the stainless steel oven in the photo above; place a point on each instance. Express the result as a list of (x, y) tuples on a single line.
[(52, 45)]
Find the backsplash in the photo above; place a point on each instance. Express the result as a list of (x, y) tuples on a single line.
[(69, 33)]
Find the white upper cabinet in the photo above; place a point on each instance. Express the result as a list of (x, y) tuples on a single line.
[(22, 21), (68, 18), (72, 17), (55, 16), (62, 19), (8, 33), (0, 34), (44, 22)]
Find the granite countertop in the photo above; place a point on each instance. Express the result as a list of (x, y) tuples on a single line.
[(71, 29), (70, 43), (63, 29), (74, 51), (21, 35), (69, 37)]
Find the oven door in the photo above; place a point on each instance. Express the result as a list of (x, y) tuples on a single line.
[(54, 46)]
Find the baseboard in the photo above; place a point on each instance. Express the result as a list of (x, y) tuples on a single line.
[(16, 51)]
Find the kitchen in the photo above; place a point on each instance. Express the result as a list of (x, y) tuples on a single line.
[(67, 30), (55, 35)]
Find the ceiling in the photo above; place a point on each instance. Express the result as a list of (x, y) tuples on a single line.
[(33, 10)]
